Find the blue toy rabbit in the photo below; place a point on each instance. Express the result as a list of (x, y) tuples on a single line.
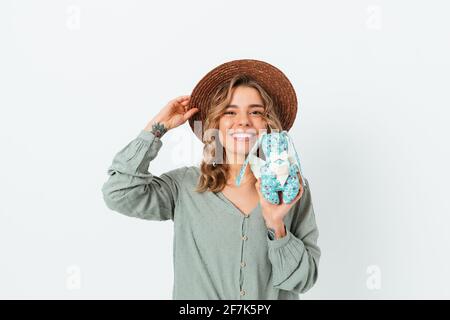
[(279, 171)]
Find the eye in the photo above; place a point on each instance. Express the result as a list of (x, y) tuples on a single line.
[(257, 112), (229, 112)]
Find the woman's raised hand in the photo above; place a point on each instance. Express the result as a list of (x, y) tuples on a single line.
[(174, 114), (274, 214)]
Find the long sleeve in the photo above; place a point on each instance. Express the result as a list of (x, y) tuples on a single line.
[(295, 257), (132, 190)]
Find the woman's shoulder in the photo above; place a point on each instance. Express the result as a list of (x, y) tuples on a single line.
[(185, 175), (192, 172)]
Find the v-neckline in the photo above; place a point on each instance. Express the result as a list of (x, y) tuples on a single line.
[(233, 206)]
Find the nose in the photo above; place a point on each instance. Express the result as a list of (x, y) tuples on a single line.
[(243, 120)]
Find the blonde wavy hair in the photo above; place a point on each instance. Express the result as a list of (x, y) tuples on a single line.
[(214, 178)]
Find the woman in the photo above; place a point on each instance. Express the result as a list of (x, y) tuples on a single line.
[(229, 242)]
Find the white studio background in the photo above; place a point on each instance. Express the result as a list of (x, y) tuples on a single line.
[(79, 79)]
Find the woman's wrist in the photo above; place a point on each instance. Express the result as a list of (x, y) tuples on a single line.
[(277, 228), (157, 127)]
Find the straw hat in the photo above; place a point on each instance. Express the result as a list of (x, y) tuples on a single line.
[(269, 77)]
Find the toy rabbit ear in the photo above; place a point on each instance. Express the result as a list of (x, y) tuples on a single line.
[(249, 156), (291, 149)]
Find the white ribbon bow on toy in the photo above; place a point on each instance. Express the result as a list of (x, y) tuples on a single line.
[(281, 170)]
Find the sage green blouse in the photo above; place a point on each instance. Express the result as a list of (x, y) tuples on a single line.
[(218, 252)]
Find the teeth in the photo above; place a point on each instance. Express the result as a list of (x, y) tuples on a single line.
[(242, 135)]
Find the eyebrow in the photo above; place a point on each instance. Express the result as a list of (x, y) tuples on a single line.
[(251, 106)]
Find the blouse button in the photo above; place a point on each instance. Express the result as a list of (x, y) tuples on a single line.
[(242, 292), (242, 264), (244, 238)]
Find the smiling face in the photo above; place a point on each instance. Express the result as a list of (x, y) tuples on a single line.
[(241, 123)]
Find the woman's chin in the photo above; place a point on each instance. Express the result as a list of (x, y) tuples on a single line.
[(237, 156), (242, 148)]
